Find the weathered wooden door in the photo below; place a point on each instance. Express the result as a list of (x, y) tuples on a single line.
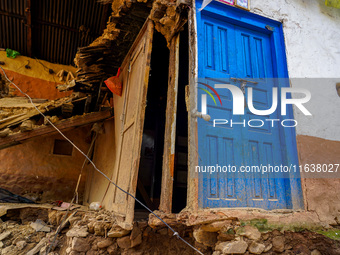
[(129, 122), (230, 51)]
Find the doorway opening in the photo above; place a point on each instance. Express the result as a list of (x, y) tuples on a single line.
[(179, 198), (151, 159), (151, 156)]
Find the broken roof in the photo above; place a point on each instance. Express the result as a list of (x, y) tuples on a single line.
[(51, 30), (20, 121), (100, 60)]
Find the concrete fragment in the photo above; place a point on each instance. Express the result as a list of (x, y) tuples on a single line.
[(77, 253), (78, 231), (4, 133), (315, 252), (40, 226), (38, 247), (278, 243), (204, 237), (265, 236), (80, 244), (4, 235), (99, 229), (216, 226), (43, 250), (9, 250), (117, 231), (226, 235), (124, 242), (234, 247), (105, 243), (268, 248), (53, 119), (249, 232), (256, 248), (27, 125), (91, 227), (216, 253), (21, 245)]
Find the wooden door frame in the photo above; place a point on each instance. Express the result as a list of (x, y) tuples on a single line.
[(168, 166), (257, 23)]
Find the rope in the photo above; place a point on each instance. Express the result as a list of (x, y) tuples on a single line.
[(95, 167)]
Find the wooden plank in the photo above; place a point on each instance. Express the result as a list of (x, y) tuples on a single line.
[(49, 130), (17, 119), (191, 94), (170, 128)]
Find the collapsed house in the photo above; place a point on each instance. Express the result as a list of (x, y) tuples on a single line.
[(153, 138)]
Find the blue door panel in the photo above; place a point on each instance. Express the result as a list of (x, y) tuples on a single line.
[(227, 50)]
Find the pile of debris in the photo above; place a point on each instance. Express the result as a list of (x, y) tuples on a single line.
[(84, 232), (81, 232), (103, 57), (18, 115)]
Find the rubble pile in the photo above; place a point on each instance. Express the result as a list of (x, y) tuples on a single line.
[(98, 233), (83, 233), (228, 237), (32, 232)]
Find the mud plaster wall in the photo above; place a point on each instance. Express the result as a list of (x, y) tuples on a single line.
[(321, 194), (32, 168), (37, 82), (312, 36), (104, 158)]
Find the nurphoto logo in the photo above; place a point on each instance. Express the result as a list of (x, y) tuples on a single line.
[(239, 99)]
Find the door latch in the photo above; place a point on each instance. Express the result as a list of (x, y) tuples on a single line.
[(197, 114)]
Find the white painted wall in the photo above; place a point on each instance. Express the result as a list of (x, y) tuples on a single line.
[(312, 36)]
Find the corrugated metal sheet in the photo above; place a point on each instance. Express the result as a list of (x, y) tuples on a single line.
[(59, 27), (13, 29)]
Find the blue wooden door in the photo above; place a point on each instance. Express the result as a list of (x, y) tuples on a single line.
[(228, 51)]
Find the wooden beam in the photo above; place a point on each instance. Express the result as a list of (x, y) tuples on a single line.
[(29, 27), (170, 129), (49, 130)]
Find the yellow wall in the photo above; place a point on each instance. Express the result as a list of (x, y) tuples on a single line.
[(37, 82)]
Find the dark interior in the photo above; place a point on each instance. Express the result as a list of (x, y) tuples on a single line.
[(179, 198), (150, 168)]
